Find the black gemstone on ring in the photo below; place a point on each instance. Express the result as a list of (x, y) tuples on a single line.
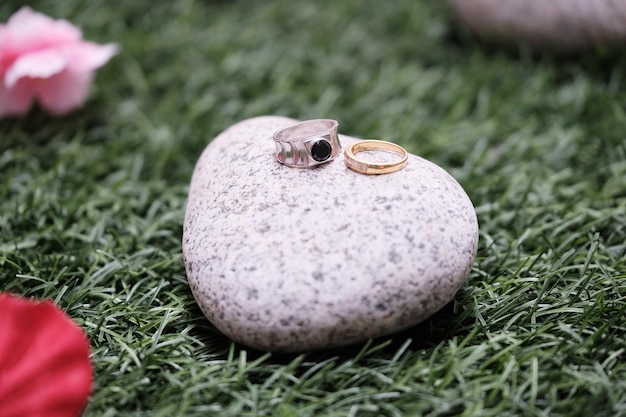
[(321, 150)]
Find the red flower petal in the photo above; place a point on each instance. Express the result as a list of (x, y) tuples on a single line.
[(45, 369)]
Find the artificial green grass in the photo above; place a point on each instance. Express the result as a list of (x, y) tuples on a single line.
[(91, 207)]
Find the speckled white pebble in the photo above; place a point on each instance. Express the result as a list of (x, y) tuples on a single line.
[(287, 259)]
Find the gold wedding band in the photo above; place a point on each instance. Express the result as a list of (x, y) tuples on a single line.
[(369, 167)]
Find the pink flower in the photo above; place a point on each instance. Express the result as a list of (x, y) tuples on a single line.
[(46, 60), (45, 369)]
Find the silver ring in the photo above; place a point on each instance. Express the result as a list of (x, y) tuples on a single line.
[(307, 144)]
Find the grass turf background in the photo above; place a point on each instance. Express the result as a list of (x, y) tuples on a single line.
[(91, 207)]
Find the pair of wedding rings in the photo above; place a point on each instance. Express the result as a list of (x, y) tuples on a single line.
[(314, 142)]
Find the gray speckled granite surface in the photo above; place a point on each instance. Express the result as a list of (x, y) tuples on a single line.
[(287, 259)]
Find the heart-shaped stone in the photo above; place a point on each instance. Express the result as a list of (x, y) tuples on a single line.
[(294, 259)]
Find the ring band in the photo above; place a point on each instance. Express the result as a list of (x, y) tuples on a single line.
[(368, 167), (307, 144)]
